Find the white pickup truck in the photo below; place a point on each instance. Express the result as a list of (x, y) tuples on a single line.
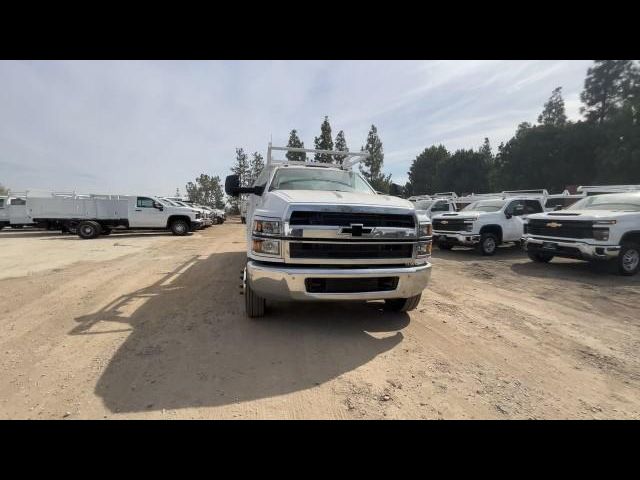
[(485, 224), (13, 212), (434, 205), (599, 227), (320, 232), (93, 215)]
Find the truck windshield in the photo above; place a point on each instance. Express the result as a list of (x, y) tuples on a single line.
[(485, 206), (423, 204), (628, 202), (319, 179)]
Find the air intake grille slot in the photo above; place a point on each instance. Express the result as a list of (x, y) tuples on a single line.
[(345, 219), (350, 251), (351, 285)]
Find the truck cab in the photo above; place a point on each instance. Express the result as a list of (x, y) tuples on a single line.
[(13, 211), (485, 224), (434, 206), (320, 232)]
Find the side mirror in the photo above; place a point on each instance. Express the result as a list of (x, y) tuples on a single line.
[(232, 185), (159, 206), (508, 215)]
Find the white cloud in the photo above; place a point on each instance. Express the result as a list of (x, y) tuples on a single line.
[(129, 126)]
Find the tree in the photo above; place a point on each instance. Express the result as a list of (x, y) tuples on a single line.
[(295, 142), (324, 142), (242, 168), (255, 166), (422, 173), (341, 145), (3, 190), (606, 87), (554, 113), (371, 167), (206, 190)]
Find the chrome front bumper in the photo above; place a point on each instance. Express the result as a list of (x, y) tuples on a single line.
[(575, 249), (461, 238), (279, 282)]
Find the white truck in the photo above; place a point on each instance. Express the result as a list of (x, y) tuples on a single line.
[(242, 205), (431, 206), (93, 215), (598, 227), (13, 211), (487, 223), (205, 219), (319, 231)]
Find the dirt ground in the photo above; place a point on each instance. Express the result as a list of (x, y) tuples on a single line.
[(152, 326)]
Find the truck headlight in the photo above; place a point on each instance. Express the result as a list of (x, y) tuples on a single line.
[(267, 227), (425, 230), (468, 226), (601, 233), (266, 246), (423, 250)]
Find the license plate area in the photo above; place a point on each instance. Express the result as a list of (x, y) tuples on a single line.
[(549, 246)]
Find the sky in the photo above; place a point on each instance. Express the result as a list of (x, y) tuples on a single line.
[(149, 127)]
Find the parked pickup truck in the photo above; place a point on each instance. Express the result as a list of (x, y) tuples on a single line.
[(13, 212), (93, 215), (434, 206), (599, 227), (318, 231), (485, 224)]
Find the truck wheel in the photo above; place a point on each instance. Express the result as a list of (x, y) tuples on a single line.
[(179, 227), (88, 230), (629, 258), (254, 303), (488, 244), (402, 304), (540, 257), (444, 246)]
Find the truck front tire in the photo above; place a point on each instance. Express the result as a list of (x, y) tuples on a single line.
[(540, 257), (488, 244), (179, 227), (629, 259), (254, 303), (444, 246), (89, 229), (402, 304)]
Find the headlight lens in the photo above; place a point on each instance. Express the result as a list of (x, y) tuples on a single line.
[(601, 233), (425, 230), (266, 247), (424, 249), (468, 226), (267, 227)]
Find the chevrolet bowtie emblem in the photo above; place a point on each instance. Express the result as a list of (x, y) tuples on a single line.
[(444, 222), (554, 225)]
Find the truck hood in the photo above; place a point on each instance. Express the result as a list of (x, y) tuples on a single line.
[(342, 198), (276, 203), (467, 215), (583, 215)]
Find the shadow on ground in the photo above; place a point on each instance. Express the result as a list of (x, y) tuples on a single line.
[(465, 254), (598, 273), (191, 344), (116, 235), (27, 233)]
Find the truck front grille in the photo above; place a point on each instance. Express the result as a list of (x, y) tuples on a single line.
[(448, 224), (350, 251), (351, 285), (561, 228), (345, 219)]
